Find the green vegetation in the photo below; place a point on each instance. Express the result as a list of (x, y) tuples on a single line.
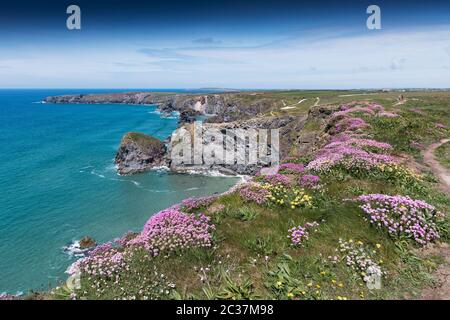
[(252, 256), (142, 140), (443, 155)]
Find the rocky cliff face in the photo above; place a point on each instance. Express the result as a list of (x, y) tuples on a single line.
[(299, 135), (284, 124), (138, 153), (224, 107)]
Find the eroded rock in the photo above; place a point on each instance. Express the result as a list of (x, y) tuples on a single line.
[(87, 242), (139, 152)]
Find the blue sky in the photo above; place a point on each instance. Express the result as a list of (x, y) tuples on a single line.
[(231, 44)]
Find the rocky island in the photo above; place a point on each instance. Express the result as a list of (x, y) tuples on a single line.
[(139, 152)]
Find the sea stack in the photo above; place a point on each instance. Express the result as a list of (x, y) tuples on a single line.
[(139, 152)]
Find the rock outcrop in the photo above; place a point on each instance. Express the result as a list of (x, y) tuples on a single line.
[(188, 116), (139, 152), (239, 166), (300, 134), (223, 107), (87, 242)]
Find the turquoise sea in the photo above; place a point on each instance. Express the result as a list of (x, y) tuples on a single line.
[(58, 182)]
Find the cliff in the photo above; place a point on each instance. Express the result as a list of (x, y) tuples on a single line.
[(224, 107), (226, 111)]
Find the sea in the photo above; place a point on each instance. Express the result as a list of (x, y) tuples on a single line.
[(58, 182)]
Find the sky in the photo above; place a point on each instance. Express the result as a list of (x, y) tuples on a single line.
[(261, 44)]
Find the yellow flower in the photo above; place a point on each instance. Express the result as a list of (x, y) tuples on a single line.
[(310, 284), (340, 285), (279, 283), (333, 281), (350, 241), (360, 243), (290, 295), (318, 286), (378, 245)]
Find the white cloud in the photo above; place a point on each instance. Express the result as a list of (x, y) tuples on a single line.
[(402, 58)]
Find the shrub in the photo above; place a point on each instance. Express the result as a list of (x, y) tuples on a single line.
[(402, 217), (171, 230), (309, 181), (291, 168), (254, 193)]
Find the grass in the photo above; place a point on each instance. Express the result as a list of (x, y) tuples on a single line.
[(252, 256), (443, 155)]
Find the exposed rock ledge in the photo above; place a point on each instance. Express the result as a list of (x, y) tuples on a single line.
[(139, 152)]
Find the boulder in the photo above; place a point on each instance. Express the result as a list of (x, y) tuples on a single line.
[(87, 242)]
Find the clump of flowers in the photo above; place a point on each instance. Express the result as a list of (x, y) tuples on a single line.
[(361, 107), (399, 174), (375, 107), (351, 155), (366, 144), (254, 193), (191, 204), (171, 230), (309, 181), (344, 113), (292, 197), (300, 234), (291, 168), (350, 124), (105, 260), (361, 259), (118, 273), (277, 179), (343, 121), (402, 216)]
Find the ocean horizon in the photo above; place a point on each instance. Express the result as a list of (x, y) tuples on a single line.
[(59, 182)]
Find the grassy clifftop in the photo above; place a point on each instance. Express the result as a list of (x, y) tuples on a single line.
[(349, 221)]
